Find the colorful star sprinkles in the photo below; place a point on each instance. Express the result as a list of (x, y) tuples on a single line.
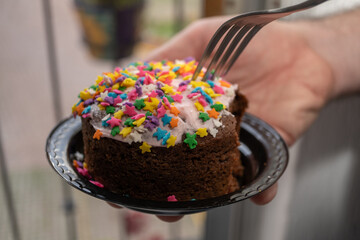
[(97, 134), (145, 148), (149, 101), (204, 116), (190, 140), (201, 132)]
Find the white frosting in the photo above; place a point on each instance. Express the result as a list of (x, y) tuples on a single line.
[(189, 120)]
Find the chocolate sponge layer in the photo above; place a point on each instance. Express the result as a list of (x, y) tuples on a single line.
[(209, 170)]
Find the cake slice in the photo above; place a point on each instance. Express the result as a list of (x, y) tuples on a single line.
[(150, 132)]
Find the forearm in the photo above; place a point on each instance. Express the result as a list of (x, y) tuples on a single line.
[(337, 40)]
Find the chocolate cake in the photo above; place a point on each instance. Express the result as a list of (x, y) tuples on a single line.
[(150, 132)]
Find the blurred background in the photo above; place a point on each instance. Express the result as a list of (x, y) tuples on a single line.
[(50, 50)]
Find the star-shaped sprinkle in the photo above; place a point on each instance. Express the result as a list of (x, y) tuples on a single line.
[(117, 100), (148, 80), (177, 98), (115, 130), (193, 95), (198, 106), (161, 111), (112, 94), (218, 89), (103, 95), (166, 119), (171, 141), (138, 116), (182, 88), (102, 88), (174, 122), (139, 104), (104, 124), (125, 131), (204, 116), (149, 125), (80, 108), (174, 111), (132, 95), (165, 138), (154, 120), (213, 113), (202, 101), (167, 89), (171, 100), (128, 82), (147, 114), (213, 131), (119, 114), (115, 87), (135, 136), (218, 107), (88, 102), (101, 107), (117, 91), (129, 122), (149, 106), (86, 115), (73, 109), (159, 92), (172, 198), (85, 95), (109, 100), (130, 111), (217, 123), (207, 97), (113, 122), (105, 104), (86, 110), (97, 134), (159, 133), (154, 101), (167, 103), (145, 148), (211, 92), (139, 90), (190, 140), (123, 96), (211, 83), (139, 121), (141, 129), (110, 109), (225, 83), (202, 132), (152, 94)]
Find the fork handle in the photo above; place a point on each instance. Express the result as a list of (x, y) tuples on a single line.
[(273, 14)]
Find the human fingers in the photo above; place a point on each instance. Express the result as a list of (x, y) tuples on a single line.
[(114, 205), (266, 196), (170, 219), (189, 42)]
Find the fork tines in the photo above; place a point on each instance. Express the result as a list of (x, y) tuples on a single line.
[(234, 40)]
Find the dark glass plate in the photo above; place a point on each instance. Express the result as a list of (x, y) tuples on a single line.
[(264, 155)]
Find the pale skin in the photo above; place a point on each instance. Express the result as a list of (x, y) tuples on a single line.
[(288, 72)]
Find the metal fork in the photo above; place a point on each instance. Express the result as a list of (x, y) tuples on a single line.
[(237, 33)]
